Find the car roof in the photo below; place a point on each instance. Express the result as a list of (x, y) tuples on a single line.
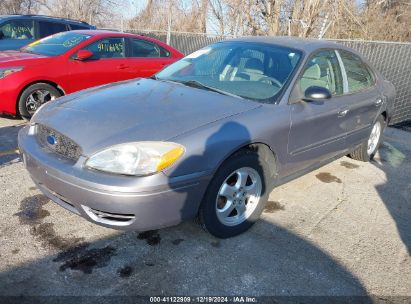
[(98, 32), (110, 33), (45, 17), (303, 44)]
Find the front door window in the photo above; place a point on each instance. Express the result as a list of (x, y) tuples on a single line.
[(323, 70)]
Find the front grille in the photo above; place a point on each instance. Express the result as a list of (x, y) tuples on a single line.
[(58, 143)]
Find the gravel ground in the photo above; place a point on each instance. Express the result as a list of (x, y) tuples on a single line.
[(342, 230)]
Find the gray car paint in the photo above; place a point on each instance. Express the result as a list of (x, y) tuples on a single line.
[(301, 136), (142, 110)]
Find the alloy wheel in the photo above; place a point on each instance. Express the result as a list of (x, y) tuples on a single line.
[(238, 196), (36, 99), (374, 138)]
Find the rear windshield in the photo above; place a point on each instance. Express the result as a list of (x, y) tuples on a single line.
[(55, 45)]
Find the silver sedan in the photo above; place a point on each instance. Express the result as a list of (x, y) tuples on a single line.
[(209, 136)]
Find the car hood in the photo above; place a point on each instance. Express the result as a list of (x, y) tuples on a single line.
[(137, 110), (11, 57)]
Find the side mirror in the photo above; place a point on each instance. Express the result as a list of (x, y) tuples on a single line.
[(84, 55), (316, 93)]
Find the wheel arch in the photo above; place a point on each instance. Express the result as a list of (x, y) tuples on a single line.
[(49, 82), (206, 213), (264, 151)]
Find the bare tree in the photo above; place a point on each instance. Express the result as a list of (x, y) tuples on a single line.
[(203, 12), (387, 20), (98, 12), (191, 17), (306, 16), (19, 6), (371, 19), (228, 15)]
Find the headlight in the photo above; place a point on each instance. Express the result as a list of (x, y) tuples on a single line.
[(136, 158), (4, 72)]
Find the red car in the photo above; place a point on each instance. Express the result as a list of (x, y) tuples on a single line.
[(71, 61)]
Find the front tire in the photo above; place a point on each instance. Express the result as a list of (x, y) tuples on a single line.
[(34, 96), (367, 150), (236, 195)]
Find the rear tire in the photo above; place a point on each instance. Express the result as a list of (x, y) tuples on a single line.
[(367, 150), (34, 96), (236, 196)]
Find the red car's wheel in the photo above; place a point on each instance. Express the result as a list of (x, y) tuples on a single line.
[(34, 96)]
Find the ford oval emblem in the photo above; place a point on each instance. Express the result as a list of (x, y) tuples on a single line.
[(51, 140)]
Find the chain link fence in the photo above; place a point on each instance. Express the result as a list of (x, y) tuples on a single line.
[(393, 60)]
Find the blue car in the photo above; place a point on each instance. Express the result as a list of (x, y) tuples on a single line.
[(18, 30)]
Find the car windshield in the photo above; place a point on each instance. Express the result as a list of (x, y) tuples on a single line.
[(56, 44), (249, 70)]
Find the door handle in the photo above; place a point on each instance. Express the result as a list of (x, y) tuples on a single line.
[(123, 66), (378, 102), (342, 113)]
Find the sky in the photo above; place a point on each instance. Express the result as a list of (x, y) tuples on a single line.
[(133, 7)]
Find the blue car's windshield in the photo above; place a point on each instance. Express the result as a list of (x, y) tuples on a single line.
[(249, 70), (56, 44)]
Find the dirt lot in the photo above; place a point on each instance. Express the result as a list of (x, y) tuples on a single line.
[(344, 229)]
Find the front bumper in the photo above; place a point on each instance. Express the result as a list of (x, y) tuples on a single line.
[(10, 88), (114, 201)]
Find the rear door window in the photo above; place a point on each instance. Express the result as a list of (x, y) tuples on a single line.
[(146, 49), (50, 28), (75, 27), (18, 29), (359, 76), (107, 48)]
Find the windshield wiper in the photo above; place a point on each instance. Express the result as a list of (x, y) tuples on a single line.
[(199, 85)]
